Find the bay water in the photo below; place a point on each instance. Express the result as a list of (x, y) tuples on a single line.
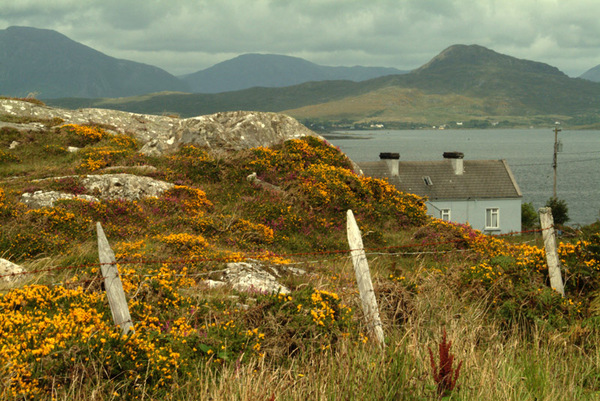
[(529, 153)]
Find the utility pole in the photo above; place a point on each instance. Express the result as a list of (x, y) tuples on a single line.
[(555, 160)]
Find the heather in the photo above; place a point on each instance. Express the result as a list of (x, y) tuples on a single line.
[(442, 288)]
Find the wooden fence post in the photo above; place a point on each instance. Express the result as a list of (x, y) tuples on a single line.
[(363, 278), (112, 284), (552, 259)]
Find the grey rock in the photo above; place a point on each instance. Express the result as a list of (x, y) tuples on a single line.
[(253, 277), (124, 186), (40, 199), (106, 186), (23, 126), (238, 130), (249, 277), (163, 134), (215, 283), (140, 169), (9, 271)]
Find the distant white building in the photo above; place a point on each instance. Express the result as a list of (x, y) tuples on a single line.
[(482, 193)]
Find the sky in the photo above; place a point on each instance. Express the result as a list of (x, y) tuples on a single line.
[(185, 36)]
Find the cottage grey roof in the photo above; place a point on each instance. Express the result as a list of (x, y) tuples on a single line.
[(481, 179)]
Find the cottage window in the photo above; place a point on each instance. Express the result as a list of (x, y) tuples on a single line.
[(445, 214), (492, 218), (427, 180)]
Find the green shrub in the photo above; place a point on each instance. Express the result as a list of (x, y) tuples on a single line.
[(560, 210), (529, 216)]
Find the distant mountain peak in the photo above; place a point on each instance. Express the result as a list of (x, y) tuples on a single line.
[(592, 74), (49, 63), (274, 70), (482, 57)]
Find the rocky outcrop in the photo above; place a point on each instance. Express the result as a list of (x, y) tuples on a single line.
[(23, 126), (124, 186), (40, 199), (239, 129), (253, 277), (9, 271), (161, 134), (105, 186)]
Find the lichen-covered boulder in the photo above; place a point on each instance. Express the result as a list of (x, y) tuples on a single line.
[(104, 186), (124, 186), (163, 134), (40, 199), (10, 271), (253, 277)]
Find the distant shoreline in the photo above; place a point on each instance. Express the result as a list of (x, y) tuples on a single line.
[(339, 135)]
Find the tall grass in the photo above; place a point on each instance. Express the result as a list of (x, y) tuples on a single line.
[(499, 363), (516, 338)]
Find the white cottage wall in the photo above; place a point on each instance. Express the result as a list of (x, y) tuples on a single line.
[(473, 211)]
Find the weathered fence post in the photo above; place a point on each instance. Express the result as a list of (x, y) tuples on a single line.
[(363, 278), (552, 259), (112, 284)]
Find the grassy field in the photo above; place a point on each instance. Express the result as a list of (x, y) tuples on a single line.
[(513, 336)]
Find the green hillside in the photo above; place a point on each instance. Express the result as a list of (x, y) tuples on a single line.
[(462, 83), (49, 64), (273, 70), (190, 105), (593, 74), (480, 307)]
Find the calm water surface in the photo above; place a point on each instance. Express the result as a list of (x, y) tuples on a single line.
[(528, 152)]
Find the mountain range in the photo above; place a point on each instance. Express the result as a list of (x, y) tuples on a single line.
[(462, 83), (271, 70), (592, 74), (50, 64)]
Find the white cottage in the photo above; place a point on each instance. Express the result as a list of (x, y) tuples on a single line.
[(483, 193)]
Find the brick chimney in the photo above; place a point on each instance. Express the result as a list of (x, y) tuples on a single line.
[(393, 162), (457, 161)]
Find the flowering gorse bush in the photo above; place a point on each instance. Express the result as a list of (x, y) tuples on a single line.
[(69, 332), (184, 244), (56, 150), (117, 148), (514, 277), (81, 135), (40, 328), (241, 233), (4, 207), (193, 164), (101, 149), (317, 187), (581, 263), (189, 200), (8, 157), (97, 158)]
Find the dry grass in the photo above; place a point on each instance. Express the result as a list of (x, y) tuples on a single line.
[(499, 363), (419, 296)]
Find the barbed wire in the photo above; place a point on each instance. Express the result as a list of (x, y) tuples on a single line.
[(99, 278), (261, 255)]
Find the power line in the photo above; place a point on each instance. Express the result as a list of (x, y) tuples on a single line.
[(529, 164), (580, 153), (579, 161), (562, 162)]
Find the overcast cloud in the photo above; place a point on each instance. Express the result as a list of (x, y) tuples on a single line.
[(184, 36)]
